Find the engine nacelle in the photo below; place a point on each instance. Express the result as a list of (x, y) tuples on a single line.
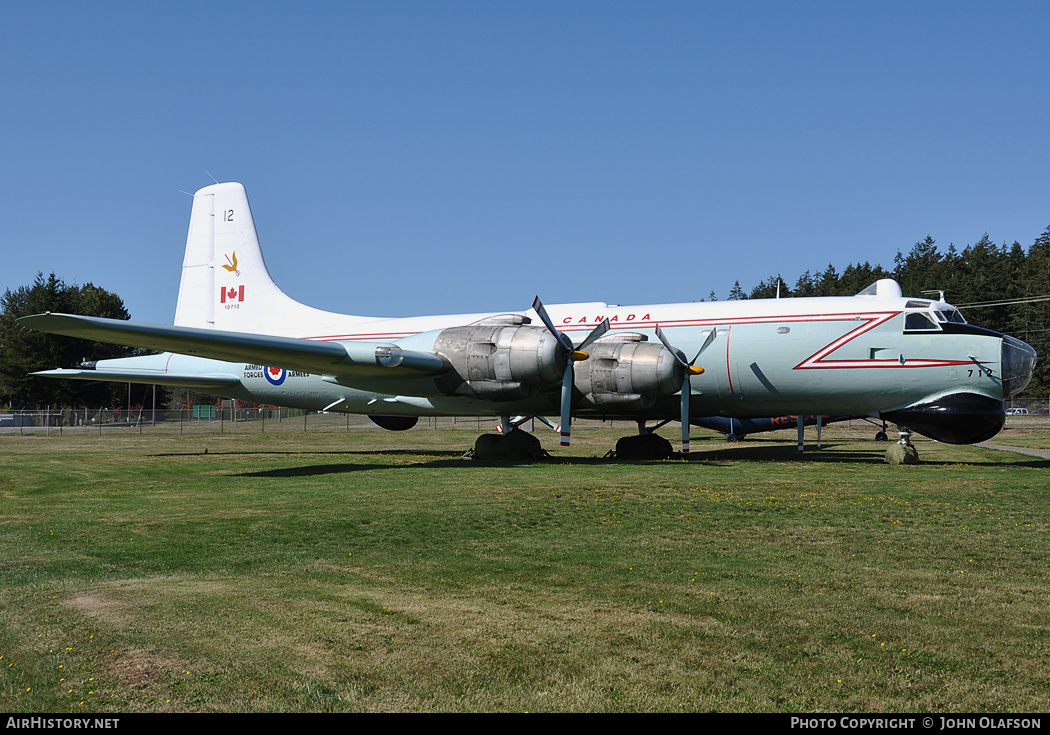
[(500, 359), (626, 372)]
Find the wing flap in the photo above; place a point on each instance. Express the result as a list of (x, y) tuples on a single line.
[(351, 359)]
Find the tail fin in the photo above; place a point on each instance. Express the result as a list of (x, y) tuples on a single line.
[(225, 283)]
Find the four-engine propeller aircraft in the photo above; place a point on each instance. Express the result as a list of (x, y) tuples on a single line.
[(915, 362)]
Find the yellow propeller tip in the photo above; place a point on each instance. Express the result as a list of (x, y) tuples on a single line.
[(696, 370), (579, 355)]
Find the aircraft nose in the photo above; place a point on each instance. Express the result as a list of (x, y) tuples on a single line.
[(1018, 363)]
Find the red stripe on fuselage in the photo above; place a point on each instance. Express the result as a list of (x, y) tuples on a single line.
[(816, 361)]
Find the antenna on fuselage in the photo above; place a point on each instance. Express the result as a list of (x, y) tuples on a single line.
[(778, 285)]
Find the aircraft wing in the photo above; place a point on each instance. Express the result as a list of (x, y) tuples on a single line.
[(356, 359), (202, 382)]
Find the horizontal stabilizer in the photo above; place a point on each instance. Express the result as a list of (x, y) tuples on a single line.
[(214, 381), (355, 359)]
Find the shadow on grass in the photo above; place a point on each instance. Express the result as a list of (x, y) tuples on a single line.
[(320, 469), (712, 453), (466, 466), (831, 454), (333, 452)]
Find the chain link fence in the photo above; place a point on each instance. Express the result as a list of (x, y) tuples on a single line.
[(211, 419), (206, 419)]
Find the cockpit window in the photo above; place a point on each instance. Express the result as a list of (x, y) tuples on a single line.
[(919, 321), (915, 304), (952, 315)]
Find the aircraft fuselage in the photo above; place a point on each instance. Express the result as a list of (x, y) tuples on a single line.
[(833, 356)]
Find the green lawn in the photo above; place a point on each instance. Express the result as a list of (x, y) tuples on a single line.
[(362, 570)]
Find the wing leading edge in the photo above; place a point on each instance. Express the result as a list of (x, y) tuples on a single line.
[(358, 359), (202, 382)]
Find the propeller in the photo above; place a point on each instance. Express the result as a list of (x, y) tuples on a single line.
[(574, 354), (690, 369)]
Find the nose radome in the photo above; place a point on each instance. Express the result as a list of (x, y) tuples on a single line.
[(1018, 363)]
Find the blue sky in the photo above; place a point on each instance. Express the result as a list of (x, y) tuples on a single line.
[(439, 157)]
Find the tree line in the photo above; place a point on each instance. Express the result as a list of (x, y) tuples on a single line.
[(970, 278), (23, 351), (979, 273)]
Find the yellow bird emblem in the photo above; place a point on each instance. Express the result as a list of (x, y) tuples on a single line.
[(232, 267)]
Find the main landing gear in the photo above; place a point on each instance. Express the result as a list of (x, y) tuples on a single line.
[(881, 435), (514, 443), (511, 443), (646, 444)]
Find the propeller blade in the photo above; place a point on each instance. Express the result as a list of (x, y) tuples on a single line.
[(566, 404), (687, 390), (705, 345), (675, 352), (563, 339), (596, 334)]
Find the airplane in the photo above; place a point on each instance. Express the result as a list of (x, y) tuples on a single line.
[(915, 362), (736, 429)]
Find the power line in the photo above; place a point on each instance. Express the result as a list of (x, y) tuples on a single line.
[(1002, 302)]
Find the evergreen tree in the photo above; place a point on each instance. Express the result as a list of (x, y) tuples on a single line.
[(805, 285), (920, 270), (856, 278), (767, 289), (23, 351), (828, 282), (1035, 316)]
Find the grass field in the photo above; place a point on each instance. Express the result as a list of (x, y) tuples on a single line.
[(363, 570)]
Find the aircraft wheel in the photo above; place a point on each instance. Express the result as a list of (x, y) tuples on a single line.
[(731, 437), (881, 436)]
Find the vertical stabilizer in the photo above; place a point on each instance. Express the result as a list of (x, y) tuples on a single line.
[(225, 283), (194, 307)]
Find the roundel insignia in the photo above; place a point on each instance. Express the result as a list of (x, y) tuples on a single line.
[(275, 376)]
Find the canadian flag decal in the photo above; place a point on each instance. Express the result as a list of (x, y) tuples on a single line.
[(231, 294)]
